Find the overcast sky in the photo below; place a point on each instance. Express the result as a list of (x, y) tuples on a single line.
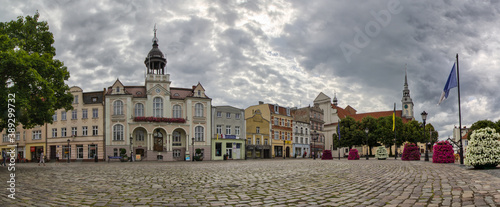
[(287, 52)]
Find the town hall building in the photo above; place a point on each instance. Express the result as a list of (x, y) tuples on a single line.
[(156, 121)]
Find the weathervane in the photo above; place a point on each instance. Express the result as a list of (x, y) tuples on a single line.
[(155, 40)]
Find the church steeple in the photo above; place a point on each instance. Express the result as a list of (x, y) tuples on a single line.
[(335, 102), (406, 101), (155, 61)]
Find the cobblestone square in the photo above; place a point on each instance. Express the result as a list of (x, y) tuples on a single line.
[(290, 182)]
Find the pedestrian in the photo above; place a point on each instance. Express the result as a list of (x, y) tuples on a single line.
[(305, 154), (4, 157), (42, 160)]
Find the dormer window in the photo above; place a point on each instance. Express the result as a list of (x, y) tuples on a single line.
[(199, 93), (75, 99), (117, 89), (94, 99), (276, 109), (288, 111)]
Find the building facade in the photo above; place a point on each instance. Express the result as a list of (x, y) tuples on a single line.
[(258, 143), (78, 133), (301, 139), (229, 133), (313, 116), (280, 128), (156, 121), (29, 143)]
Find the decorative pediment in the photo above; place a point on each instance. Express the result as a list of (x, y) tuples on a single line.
[(322, 98), (117, 87), (158, 89), (199, 91)]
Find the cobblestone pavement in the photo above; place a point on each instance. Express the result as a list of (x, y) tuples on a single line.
[(291, 182)]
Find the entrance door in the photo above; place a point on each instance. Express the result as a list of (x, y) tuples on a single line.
[(229, 153), (287, 152), (79, 151), (158, 141), (53, 152)]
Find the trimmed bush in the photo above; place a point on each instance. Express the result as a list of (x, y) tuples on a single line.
[(484, 149), (353, 154), (381, 153), (411, 152), (327, 155), (443, 153)]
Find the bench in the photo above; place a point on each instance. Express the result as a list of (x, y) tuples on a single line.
[(112, 157)]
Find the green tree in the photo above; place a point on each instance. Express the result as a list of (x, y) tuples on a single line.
[(433, 134), (30, 73), (370, 123), (349, 132), (483, 124), (412, 131), (384, 132)]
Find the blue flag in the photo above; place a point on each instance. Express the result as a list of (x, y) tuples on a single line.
[(450, 83), (338, 129)]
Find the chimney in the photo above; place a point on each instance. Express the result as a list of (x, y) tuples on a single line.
[(261, 102)]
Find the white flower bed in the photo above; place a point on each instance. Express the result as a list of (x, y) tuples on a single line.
[(484, 148)]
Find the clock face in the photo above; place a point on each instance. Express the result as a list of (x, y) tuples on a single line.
[(157, 90), (406, 106)]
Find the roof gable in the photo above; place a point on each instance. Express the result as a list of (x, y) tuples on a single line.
[(322, 98)]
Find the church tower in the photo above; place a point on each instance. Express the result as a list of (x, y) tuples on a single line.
[(155, 62), (406, 101)]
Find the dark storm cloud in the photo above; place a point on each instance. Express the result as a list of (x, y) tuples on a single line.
[(286, 52)]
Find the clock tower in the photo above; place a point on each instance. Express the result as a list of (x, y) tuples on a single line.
[(406, 101)]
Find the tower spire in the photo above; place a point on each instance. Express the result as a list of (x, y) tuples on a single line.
[(406, 79), (155, 40)]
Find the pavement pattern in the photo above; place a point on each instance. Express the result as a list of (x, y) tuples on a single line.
[(290, 182)]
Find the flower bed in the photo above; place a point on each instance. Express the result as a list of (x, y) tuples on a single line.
[(159, 119), (353, 154), (327, 155), (483, 150), (381, 153), (411, 152), (443, 153)]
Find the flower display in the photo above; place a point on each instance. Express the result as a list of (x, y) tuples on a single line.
[(443, 153), (411, 152), (381, 153), (159, 119), (327, 155), (483, 150), (353, 154)]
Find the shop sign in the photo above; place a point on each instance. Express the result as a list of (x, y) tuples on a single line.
[(230, 136), (32, 149)]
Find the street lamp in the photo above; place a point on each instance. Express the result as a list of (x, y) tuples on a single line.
[(424, 117), (69, 150), (283, 148), (131, 138), (192, 148), (366, 131), (315, 137)]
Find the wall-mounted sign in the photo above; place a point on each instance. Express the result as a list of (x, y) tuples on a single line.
[(230, 136)]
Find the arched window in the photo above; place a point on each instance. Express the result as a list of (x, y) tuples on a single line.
[(158, 107), (198, 133), (118, 107), (118, 132), (198, 108), (177, 111), (139, 109)]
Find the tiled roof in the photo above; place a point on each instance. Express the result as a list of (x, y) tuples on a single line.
[(180, 93), (87, 97), (136, 91), (349, 111)]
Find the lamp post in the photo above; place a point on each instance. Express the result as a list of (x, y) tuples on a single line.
[(366, 131), (424, 117), (69, 150), (284, 148), (131, 138), (192, 148), (315, 137)]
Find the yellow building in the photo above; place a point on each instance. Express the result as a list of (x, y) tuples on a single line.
[(29, 143), (257, 134), (78, 133), (280, 127)]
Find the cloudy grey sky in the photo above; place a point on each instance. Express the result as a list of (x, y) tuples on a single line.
[(286, 52)]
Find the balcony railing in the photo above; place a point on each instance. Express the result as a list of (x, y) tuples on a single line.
[(159, 119)]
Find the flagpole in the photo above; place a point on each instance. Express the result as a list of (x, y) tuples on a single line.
[(395, 141), (460, 117)]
